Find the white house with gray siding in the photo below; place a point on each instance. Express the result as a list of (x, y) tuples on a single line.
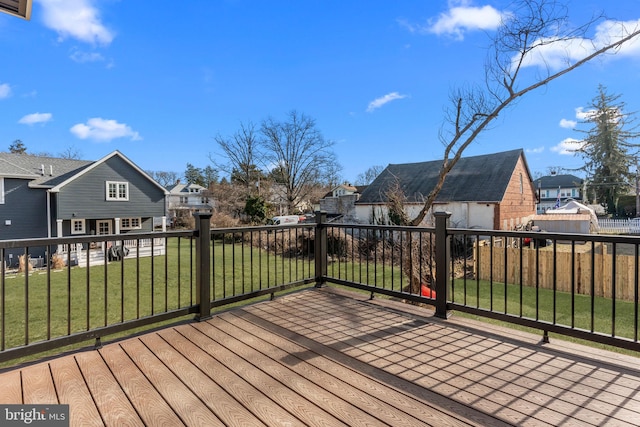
[(53, 197)]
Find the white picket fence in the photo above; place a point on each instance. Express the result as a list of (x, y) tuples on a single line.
[(618, 226)]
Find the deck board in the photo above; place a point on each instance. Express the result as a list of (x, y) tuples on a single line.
[(111, 401), (217, 400), (11, 389), (73, 390), (319, 357), (149, 404), (244, 392)]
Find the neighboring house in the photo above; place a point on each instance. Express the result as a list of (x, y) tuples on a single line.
[(341, 200), (52, 197), (188, 199), (276, 196), (343, 190), (556, 189), (493, 191)]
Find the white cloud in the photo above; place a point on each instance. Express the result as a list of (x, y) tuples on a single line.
[(379, 102), (556, 53), (583, 115), (5, 90), (567, 146), (81, 57), (568, 124), (78, 19), (536, 150), (31, 119), (462, 17), (104, 130)]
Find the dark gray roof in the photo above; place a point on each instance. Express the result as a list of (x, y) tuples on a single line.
[(555, 181), (42, 171), (480, 178)]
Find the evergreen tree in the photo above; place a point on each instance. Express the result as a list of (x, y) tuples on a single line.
[(607, 149), (194, 175), (17, 147)]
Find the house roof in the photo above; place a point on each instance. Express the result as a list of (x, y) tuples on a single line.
[(348, 187), (41, 170), (555, 181), (52, 172), (479, 178), (184, 188)]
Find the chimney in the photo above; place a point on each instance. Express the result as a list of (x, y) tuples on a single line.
[(50, 170), (42, 170)]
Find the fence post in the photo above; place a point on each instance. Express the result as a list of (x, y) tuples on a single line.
[(443, 258), (203, 265), (320, 248)]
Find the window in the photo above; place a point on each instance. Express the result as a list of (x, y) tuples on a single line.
[(1, 190), (130, 223), (77, 226), (117, 190), (184, 199), (204, 200)]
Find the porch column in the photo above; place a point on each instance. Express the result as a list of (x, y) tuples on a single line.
[(59, 233), (117, 226), (164, 224)]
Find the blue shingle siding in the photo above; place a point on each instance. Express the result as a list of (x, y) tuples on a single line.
[(85, 196), (25, 208)]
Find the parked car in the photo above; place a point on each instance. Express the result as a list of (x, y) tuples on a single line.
[(284, 220)]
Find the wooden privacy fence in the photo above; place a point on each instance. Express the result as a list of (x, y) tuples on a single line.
[(538, 269)]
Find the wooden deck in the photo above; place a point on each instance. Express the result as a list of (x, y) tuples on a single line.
[(319, 357)]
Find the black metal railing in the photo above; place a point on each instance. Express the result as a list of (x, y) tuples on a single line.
[(583, 286), (69, 290)]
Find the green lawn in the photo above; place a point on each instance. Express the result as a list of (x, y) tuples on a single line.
[(80, 298), (541, 305)]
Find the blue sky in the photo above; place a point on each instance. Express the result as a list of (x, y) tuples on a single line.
[(159, 82)]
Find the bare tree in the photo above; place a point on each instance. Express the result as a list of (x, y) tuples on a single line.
[(164, 178), (71, 153), (299, 153), (533, 28), (241, 152), (367, 177)]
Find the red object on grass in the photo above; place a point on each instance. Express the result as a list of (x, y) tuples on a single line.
[(426, 291)]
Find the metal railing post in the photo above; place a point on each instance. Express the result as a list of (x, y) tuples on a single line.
[(320, 248), (443, 259), (203, 265)]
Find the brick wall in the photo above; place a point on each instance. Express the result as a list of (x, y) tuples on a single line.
[(519, 202)]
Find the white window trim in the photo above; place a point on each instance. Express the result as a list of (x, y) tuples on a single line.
[(117, 197), (1, 190), (84, 226), (123, 220)]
